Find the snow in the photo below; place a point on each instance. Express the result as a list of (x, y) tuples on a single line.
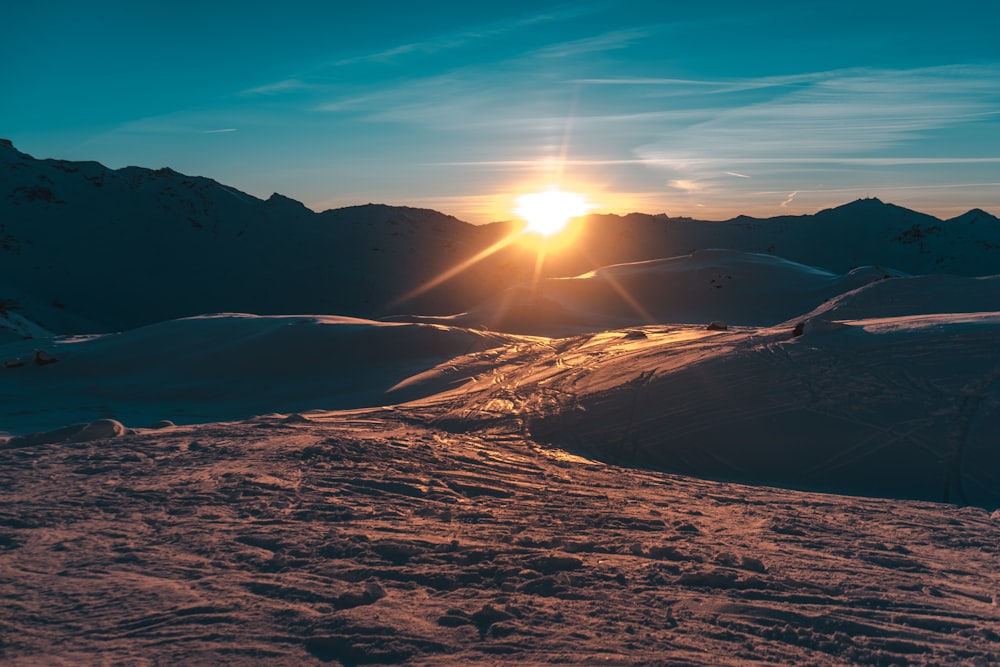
[(221, 367), (371, 537), (901, 407), (750, 442), (738, 287)]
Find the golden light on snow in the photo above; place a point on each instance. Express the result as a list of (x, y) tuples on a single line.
[(548, 212)]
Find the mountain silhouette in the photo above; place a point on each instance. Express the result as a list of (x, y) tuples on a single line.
[(86, 248)]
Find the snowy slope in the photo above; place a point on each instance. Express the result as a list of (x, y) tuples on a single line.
[(886, 392), (221, 367), (373, 537), (728, 286), (915, 295), (901, 407)]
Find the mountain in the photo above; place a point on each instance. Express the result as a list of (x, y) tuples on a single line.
[(84, 248), (866, 232)]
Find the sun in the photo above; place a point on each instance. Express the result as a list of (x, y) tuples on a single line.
[(548, 212)]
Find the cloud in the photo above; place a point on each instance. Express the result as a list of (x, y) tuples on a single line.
[(362, 102), (686, 185), (837, 114), (533, 164), (686, 161), (639, 81), (220, 131), (702, 163), (283, 86), (680, 85), (818, 121), (459, 39), (505, 120), (887, 188), (616, 39)]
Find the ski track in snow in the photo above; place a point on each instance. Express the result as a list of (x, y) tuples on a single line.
[(373, 536), (907, 410)]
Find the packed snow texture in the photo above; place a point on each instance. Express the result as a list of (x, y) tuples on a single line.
[(374, 537)]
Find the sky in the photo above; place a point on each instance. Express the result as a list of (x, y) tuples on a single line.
[(703, 109)]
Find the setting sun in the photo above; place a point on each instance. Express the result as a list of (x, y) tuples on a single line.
[(548, 212)]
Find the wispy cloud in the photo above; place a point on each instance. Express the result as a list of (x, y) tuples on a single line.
[(535, 164), (686, 185), (840, 114), (283, 86), (887, 188), (789, 199), (722, 159), (361, 102), (648, 81), (715, 162), (220, 131), (462, 38), (680, 85), (824, 120), (615, 39)]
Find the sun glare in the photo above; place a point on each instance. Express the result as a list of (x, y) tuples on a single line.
[(548, 212)]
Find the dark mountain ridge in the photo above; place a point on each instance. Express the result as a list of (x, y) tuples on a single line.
[(86, 248)]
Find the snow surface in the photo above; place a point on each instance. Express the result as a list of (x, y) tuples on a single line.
[(376, 537), (618, 464), (713, 284), (902, 407), (219, 367)]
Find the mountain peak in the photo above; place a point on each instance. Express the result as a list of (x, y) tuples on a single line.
[(976, 215), (7, 147), (866, 206), (278, 199), (864, 203)]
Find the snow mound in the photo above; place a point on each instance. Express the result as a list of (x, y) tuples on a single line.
[(739, 288), (914, 295), (220, 367), (905, 407), (100, 429)]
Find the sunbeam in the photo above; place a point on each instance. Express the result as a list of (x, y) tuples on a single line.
[(457, 269)]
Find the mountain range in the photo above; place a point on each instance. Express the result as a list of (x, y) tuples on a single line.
[(88, 249)]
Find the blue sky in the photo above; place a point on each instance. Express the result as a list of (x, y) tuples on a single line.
[(700, 109)]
